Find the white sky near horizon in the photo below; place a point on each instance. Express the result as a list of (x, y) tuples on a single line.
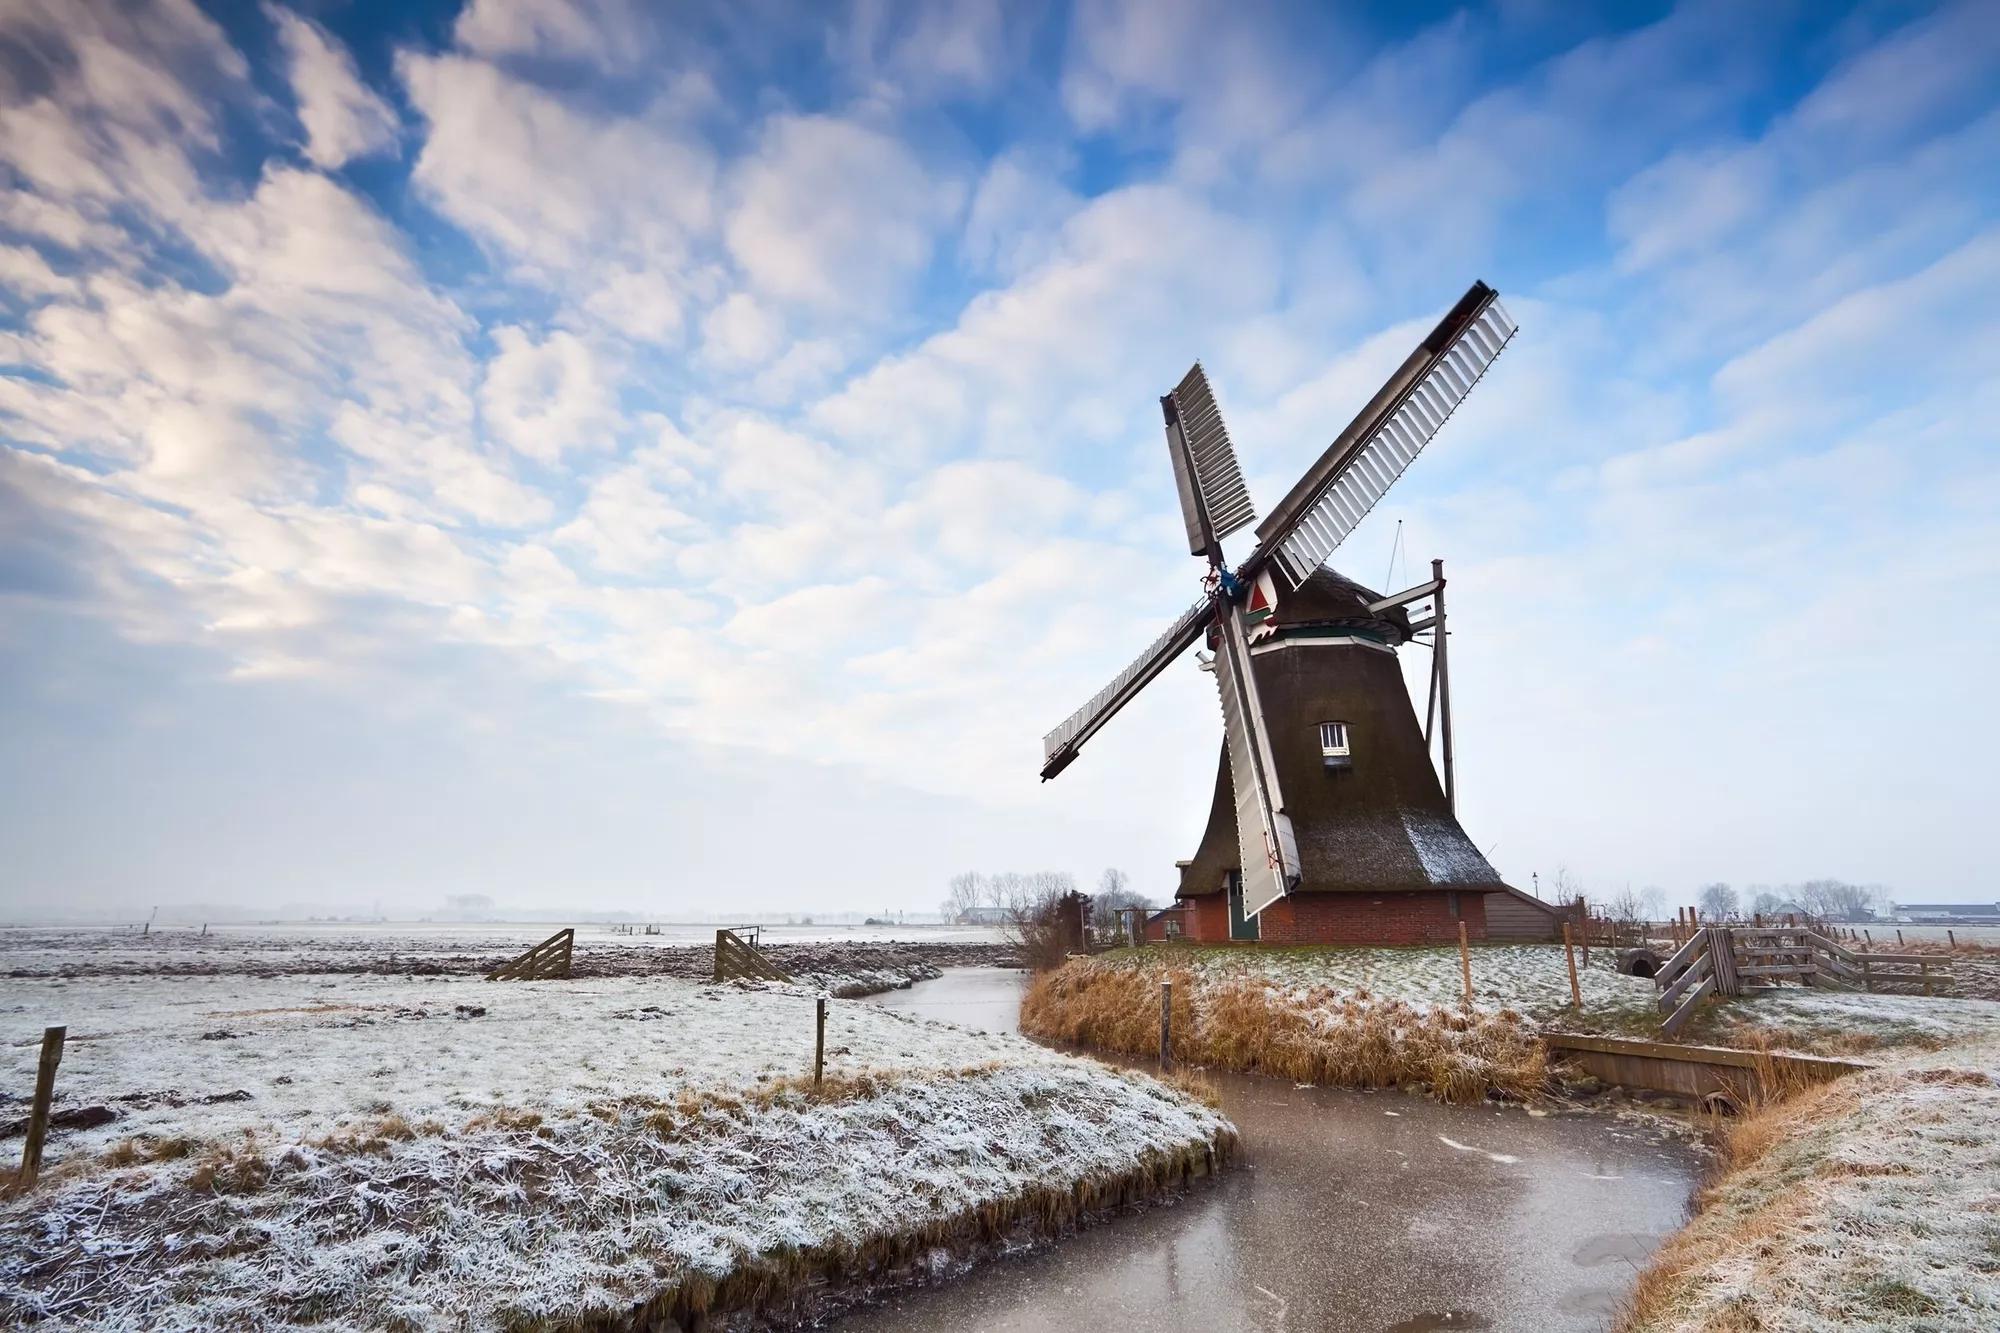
[(534, 450)]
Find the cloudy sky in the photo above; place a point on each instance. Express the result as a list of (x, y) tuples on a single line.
[(560, 451)]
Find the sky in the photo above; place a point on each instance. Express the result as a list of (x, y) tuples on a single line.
[(682, 462)]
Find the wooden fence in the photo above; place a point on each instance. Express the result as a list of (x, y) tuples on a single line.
[(547, 960), (735, 958), (1719, 960)]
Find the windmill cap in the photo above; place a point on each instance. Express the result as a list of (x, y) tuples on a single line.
[(1331, 598)]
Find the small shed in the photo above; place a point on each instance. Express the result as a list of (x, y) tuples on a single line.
[(1514, 915)]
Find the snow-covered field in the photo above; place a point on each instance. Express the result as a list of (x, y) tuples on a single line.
[(359, 1147), (854, 960)]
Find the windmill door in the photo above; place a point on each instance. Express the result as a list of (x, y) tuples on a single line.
[(1241, 927)]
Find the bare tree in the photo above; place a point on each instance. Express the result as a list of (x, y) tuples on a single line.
[(1838, 900), (1622, 907), (1566, 887), (1766, 903), (1653, 900), (967, 891), (1718, 902)]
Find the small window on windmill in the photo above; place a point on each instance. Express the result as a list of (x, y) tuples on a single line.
[(1333, 751)]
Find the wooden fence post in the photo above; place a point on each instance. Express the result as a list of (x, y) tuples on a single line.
[(1951, 940), (38, 1114), (1166, 1025), (1569, 951), (1465, 964), (819, 1041), (1899, 939)]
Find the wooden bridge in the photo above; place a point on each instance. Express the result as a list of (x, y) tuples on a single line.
[(1730, 960)]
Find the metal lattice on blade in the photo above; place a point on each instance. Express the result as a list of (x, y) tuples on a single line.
[(1079, 726), (1377, 464), (1267, 848), (1217, 481)]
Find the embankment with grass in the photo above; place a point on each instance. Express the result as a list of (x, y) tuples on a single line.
[(1872, 1202), (442, 1153), (1235, 1017)]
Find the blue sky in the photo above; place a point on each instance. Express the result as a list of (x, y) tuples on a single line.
[(683, 463)]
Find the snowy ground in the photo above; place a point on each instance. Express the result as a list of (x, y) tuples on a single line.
[(357, 1145)]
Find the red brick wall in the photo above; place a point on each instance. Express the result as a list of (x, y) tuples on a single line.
[(1368, 918), (1211, 918)]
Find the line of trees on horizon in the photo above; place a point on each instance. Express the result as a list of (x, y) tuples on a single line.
[(1825, 899), (1012, 896)]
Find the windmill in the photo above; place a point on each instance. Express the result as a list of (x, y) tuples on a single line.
[(1246, 617)]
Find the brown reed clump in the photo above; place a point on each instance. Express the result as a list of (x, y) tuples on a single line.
[(1320, 1036)]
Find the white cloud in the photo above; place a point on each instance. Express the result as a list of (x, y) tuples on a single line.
[(27, 275), (343, 118), (741, 332), (605, 208), (834, 215), (608, 33), (629, 524), (1016, 211), (548, 398)]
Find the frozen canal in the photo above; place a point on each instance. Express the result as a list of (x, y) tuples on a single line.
[(1343, 1211)]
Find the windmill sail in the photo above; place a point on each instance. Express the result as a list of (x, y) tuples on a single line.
[(1060, 746), (1367, 457), (1214, 500), (1268, 849)]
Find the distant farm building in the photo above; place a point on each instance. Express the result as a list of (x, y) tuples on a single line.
[(1950, 914)]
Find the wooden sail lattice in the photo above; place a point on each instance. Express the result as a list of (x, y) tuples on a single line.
[(1719, 960), (735, 958), (546, 961)]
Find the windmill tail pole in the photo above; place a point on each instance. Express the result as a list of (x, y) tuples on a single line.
[(1442, 662)]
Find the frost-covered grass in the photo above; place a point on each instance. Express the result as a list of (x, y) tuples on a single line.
[(1533, 980), (1530, 979), (1832, 1022), (1872, 1202), (446, 1152)]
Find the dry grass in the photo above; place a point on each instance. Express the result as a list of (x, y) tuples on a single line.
[(1349, 1039)]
